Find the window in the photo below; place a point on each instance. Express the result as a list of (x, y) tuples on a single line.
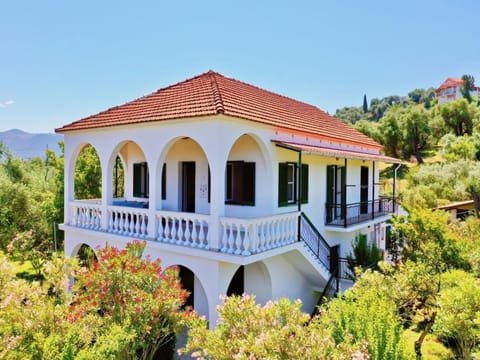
[(164, 181), (140, 180), (240, 183), (288, 184), (336, 192)]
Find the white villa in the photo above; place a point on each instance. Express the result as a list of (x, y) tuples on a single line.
[(243, 189)]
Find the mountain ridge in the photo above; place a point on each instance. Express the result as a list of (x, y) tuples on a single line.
[(29, 145)]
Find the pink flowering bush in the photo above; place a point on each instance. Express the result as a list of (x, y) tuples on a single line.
[(278, 330)]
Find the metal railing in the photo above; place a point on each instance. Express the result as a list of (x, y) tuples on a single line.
[(315, 241), (344, 215)]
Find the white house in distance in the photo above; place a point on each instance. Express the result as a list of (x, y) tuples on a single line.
[(450, 90), (244, 189)]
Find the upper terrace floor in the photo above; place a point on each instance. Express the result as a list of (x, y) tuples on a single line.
[(221, 185)]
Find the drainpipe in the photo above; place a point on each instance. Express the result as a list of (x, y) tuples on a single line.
[(395, 186)]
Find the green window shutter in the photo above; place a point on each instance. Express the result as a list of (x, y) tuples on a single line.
[(137, 180), (304, 183), (248, 184), (282, 184), (164, 181)]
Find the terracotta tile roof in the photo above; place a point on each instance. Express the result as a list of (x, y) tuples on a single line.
[(324, 151), (211, 94), (450, 82)]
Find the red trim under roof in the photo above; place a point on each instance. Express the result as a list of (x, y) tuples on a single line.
[(211, 94), (323, 151)]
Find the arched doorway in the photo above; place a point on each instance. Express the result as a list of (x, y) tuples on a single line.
[(237, 284), (86, 256), (88, 175)]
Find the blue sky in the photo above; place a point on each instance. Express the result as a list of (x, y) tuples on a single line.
[(64, 60)]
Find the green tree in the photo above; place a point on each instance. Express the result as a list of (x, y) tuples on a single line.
[(459, 116), (467, 87), (415, 131), (365, 104), (367, 313), (278, 330), (88, 175), (364, 255), (350, 114), (458, 321), (391, 135)]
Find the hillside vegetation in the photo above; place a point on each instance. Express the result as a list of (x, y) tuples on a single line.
[(426, 304)]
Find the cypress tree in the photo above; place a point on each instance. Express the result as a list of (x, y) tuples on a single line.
[(365, 105)]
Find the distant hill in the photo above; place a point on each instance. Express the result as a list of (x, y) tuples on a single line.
[(27, 145)]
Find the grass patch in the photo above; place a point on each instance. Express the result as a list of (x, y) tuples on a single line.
[(432, 348), (24, 270)]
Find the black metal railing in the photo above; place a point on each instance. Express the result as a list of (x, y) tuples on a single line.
[(345, 215), (329, 292), (315, 241)]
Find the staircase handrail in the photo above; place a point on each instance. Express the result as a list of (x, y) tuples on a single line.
[(321, 243), (327, 294)]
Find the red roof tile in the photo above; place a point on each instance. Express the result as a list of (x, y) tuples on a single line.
[(450, 82), (212, 94), (324, 151)]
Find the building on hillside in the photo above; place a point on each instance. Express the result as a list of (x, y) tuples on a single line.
[(244, 189), (450, 90), (459, 210)]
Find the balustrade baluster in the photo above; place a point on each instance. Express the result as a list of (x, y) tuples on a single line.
[(246, 241), (180, 231), (143, 227), (167, 229), (173, 233), (231, 240), (186, 234), (194, 233), (160, 228), (224, 239), (201, 236), (238, 240)]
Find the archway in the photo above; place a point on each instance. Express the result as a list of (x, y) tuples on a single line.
[(247, 177), (86, 256), (184, 172), (87, 174), (237, 284)]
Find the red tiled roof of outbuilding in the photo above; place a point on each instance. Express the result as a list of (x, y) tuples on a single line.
[(211, 94)]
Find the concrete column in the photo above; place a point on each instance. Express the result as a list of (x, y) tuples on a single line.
[(154, 174)]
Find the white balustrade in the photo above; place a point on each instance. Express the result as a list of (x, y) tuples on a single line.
[(238, 236), (186, 229), (250, 236), (128, 221), (85, 215)]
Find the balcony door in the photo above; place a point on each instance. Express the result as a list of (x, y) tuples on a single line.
[(188, 186), (364, 190), (336, 192)]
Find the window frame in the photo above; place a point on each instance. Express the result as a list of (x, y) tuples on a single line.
[(284, 182), (240, 183)]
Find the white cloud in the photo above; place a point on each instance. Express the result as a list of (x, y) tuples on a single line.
[(6, 103)]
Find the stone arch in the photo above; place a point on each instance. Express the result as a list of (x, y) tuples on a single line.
[(73, 163), (198, 298), (256, 280), (177, 155), (129, 152), (77, 249), (246, 149)]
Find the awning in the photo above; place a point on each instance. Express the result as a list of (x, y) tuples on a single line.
[(323, 151)]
